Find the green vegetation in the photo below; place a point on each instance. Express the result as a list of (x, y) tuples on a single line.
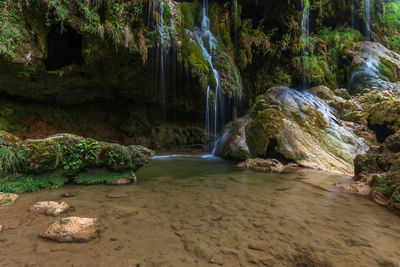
[(11, 160), (325, 61), (21, 183)]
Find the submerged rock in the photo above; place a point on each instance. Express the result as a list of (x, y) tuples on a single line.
[(7, 199), (73, 229), (302, 128), (267, 165), (50, 208)]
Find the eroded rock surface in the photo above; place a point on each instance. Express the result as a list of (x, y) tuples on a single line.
[(7, 199), (267, 165), (50, 208), (302, 128), (380, 168), (73, 229)]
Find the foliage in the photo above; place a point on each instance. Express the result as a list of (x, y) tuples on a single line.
[(11, 160), (102, 176), (21, 183), (75, 157)]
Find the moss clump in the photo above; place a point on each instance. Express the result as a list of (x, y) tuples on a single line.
[(262, 128), (385, 113)]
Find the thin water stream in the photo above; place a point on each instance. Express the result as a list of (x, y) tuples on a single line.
[(201, 212)]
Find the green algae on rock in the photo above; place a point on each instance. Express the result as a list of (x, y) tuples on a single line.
[(380, 168), (52, 161), (300, 127)]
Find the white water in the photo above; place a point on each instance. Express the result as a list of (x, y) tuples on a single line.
[(305, 34), (208, 44), (367, 6)]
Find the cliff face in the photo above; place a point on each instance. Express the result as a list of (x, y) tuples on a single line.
[(143, 70)]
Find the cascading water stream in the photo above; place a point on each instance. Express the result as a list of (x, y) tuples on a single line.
[(353, 15), (367, 6), (235, 7), (305, 34), (214, 103)]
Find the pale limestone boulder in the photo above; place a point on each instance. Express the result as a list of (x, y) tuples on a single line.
[(73, 229)]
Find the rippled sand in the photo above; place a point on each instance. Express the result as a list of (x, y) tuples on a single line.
[(200, 212)]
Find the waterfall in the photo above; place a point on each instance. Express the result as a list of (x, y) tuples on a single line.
[(353, 15), (235, 7), (215, 101), (305, 34), (367, 6), (160, 65)]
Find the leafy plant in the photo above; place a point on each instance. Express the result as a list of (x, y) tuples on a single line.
[(11, 160)]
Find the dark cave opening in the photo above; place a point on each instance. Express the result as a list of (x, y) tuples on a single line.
[(274, 154), (64, 47), (382, 131)]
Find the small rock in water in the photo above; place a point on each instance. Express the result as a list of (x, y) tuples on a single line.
[(73, 229), (50, 208), (69, 194), (123, 181), (1, 228), (7, 199), (267, 165)]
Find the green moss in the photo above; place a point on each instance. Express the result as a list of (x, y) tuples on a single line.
[(21, 183), (264, 125), (102, 176)]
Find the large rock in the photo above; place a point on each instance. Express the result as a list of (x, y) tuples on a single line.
[(380, 168), (73, 229), (374, 66), (7, 199), (302, 128), (232, 144), (50, 208), (73, 153)]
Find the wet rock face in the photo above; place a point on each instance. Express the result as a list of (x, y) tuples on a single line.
[(380, 168), (374, 66), (73, 229), (7, 199), (50, 208), (301, 127)]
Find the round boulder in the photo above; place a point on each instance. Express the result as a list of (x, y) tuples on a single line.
[(73, 229), (50, 208)]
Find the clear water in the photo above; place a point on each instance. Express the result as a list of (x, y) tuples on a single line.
[(193, 211)]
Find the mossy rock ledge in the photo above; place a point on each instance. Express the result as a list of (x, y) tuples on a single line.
[(380, 169), (296, 127), (51, 162)]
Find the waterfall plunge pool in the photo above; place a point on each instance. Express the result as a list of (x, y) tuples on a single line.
[(193, 211)]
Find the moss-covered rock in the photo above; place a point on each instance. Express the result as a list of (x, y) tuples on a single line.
[(374, 65), (380, 168), (65, 155), (232, 144), (299, 127)]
